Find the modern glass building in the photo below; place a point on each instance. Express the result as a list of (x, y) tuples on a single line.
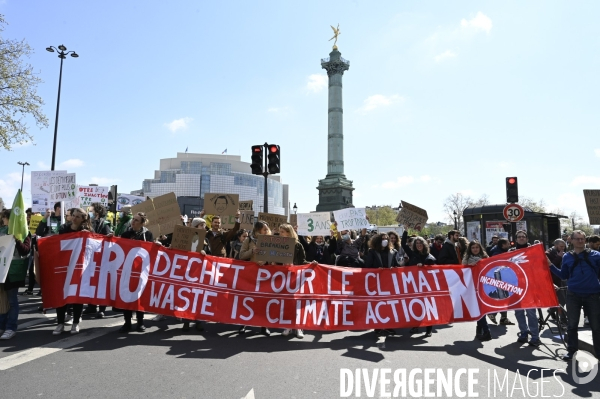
[(193, 175)]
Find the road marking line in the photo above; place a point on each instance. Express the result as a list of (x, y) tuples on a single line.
[(28, 355)]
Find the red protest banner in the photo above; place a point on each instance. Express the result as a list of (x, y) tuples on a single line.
[(137, 275)]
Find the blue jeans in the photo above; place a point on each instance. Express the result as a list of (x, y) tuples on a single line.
[(532, 321), (591, 307), (8, 321)]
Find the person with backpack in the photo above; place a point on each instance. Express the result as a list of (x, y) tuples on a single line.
[(581, 269)]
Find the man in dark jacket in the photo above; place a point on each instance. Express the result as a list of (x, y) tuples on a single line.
[(218, 238), (449, 254), (581, 268), (43, 229), (493, 243), (436, 246)]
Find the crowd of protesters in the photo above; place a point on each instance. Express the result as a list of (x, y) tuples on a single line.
[(574, 261)]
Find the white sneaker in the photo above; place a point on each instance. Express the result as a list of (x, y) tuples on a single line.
[(59, 329), (75, 328), (68, 319), (286, 332), (586, 321), (299, 334), (8, 334)]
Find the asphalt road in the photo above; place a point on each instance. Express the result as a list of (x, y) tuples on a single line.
[(221, 363)]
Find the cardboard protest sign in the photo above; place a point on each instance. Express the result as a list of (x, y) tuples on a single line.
[(163, 214), (7, 248), (592, 203), (188, 238), (227, 222), (314, 224), (246, 205), (351, 218), (131, 200), (90, 194), (40, 189), (145, 206), (294, 219), (247, 220), (272, 220), (221, 204), (34, 222), (275, 249), (412, 216)]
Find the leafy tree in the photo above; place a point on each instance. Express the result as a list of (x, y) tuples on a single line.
[(535, 206), (382, 215), (18, 96)]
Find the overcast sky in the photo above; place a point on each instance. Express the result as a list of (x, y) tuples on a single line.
[(441, 97)]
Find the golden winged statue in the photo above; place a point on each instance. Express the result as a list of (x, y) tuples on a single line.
[(336, 33)]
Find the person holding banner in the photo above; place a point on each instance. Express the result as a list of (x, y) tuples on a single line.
[(140, 233), (418, 255), (99, 226), (236, 245), (248, 252), (50, 223), (286, 230), (8, 321), (395, 243), (380, 253), (348, 250), (473, 254), (79, 222), (317, 249)]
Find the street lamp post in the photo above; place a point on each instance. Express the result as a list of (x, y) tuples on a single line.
[(295, 208), (23, 173), (455, 221), (62, 54)]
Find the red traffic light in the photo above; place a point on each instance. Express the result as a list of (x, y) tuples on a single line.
[(511, 180), (257, 148), (273, 148)]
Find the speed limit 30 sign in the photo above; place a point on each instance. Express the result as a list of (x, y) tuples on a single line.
[(513, 212)]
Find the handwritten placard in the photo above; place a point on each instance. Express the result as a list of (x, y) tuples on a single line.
[(273, 220), (314, 224), (188, 238), (88, 195), (351, 219), (246, 205), (247, 220), (412, 216), (221, 204), (275, 249)]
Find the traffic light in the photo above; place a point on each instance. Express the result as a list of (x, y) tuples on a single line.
[(273, 158), (112, 198), (512, 190), (257, 160)]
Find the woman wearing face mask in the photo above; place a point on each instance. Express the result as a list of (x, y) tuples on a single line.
[(79, 222), (286, 230), (348, 250), (380, 254), (248, 252), (99, 226), (473, 254), (316, 250), (140, 233)]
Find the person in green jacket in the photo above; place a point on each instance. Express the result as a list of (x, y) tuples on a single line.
[(124, 221)]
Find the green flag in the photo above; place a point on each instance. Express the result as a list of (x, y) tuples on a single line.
[(17, 224)]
